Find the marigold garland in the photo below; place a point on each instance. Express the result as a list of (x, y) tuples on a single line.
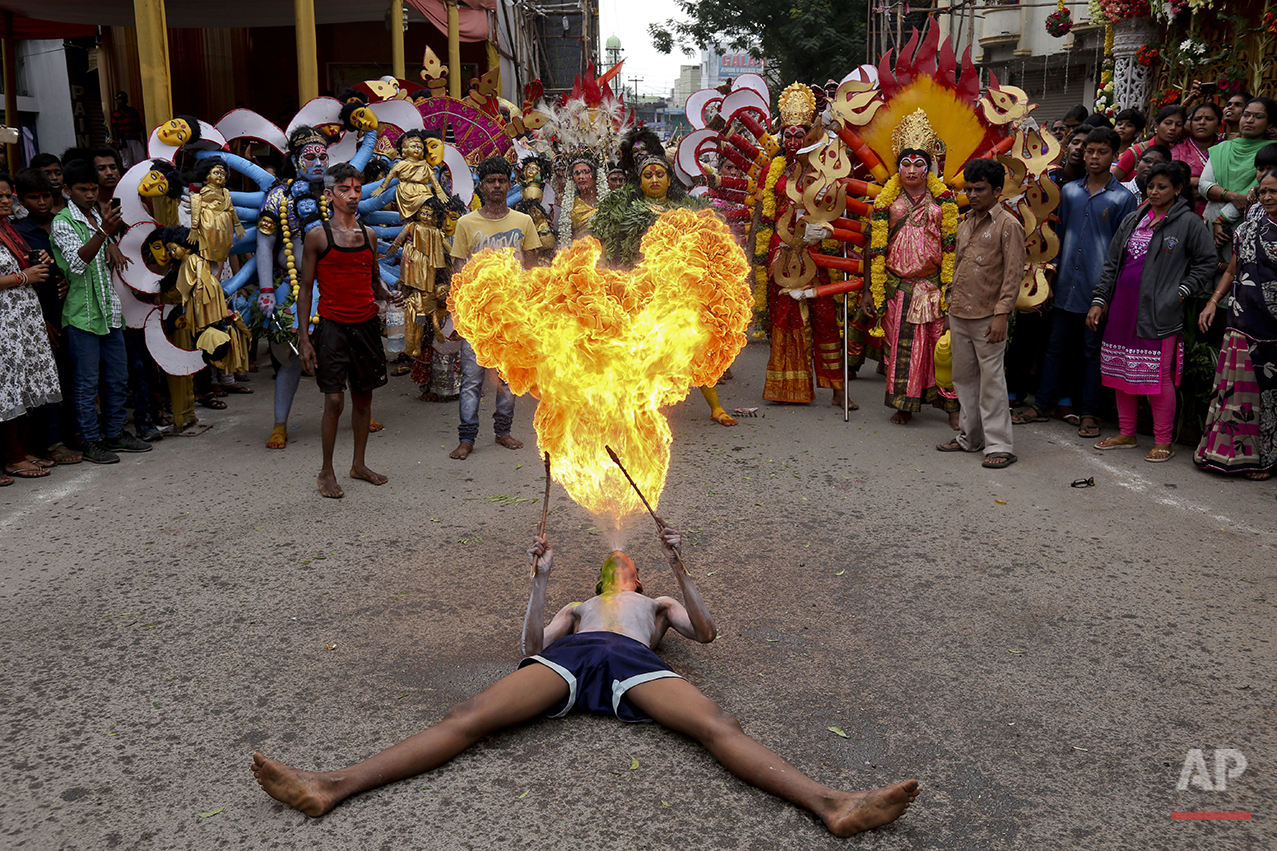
[(762, 243), (881, 221), (774, 172), (761, 246)]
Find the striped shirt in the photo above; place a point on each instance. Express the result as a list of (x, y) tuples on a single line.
[(91, 303)]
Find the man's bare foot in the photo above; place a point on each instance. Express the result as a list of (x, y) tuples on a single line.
[(328, 486), (462, 451), (864, 810), (361, 471), (836, 401), (508, 442), (722, 417), (374, 426), (301, 790), (901, 417), (953, 421)]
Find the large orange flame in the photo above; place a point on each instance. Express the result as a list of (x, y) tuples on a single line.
[(604, 350)]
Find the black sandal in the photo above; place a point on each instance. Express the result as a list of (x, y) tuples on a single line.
[(211, 401), (999, 460)]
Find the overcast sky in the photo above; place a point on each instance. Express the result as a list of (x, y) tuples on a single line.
[(628, 20)]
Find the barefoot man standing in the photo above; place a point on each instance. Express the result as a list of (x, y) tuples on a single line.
[(597, 656), (341, 258), (494, 225)]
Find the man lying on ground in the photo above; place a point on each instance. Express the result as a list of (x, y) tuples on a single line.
[(598, 656)]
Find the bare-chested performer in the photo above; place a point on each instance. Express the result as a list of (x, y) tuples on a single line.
[(596, 656)]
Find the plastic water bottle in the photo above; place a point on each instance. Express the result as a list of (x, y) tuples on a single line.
[(394, 329)]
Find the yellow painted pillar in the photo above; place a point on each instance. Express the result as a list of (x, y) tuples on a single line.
[(152, 56), (307, 54), (494, 58), (397, 66), (10, 89), (454, 49)]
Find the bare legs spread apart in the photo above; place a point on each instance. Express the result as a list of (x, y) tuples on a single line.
[(513, 699), (360, 416), (534, 690)]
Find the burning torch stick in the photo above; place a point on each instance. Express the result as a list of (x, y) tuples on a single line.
[(660, 524), (545, 508)]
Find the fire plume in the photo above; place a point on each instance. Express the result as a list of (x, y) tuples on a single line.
[(605, 350)]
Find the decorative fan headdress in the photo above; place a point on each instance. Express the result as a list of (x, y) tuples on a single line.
[(586, 126)]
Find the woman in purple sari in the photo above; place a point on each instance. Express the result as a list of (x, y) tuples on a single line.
[(1161, 254), (1241, 426)]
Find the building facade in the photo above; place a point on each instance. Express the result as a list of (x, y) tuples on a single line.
[(1010, 40)]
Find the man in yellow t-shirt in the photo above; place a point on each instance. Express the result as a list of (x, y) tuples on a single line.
[(494, 225)]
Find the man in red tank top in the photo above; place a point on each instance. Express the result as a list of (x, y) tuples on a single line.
[(341, 258)]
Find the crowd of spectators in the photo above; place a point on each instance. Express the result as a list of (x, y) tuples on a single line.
[(1168, 249), (1160, 223)]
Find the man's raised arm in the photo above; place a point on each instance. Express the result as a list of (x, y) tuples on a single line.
[(536, 635), (692, 617), (541, 556)]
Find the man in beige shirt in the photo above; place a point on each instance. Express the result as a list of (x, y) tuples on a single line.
[(988, 267)]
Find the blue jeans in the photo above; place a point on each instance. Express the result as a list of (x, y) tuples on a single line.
[(142, 401), (99, 360), (1071, 347), (471, 387)]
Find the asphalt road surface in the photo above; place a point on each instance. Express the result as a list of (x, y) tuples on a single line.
[(1041, 658)]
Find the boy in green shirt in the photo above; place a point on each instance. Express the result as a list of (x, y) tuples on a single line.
[(92, 317)]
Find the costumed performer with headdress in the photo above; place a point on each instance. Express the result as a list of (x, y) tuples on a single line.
[(625, 216), (805, 338), (291, 207), (915, 224), (581, 197)]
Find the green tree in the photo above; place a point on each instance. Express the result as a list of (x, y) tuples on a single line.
[(809, 41)]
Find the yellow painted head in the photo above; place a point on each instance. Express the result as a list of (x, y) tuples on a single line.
[(618, 573), (176, 132)]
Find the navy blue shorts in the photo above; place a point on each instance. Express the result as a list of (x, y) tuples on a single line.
[(599, 668)]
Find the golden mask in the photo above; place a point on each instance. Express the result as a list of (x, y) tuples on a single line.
[(364, 119), (153, 185), (450, 223), (434, 151), (159, 253), (174, 132)]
